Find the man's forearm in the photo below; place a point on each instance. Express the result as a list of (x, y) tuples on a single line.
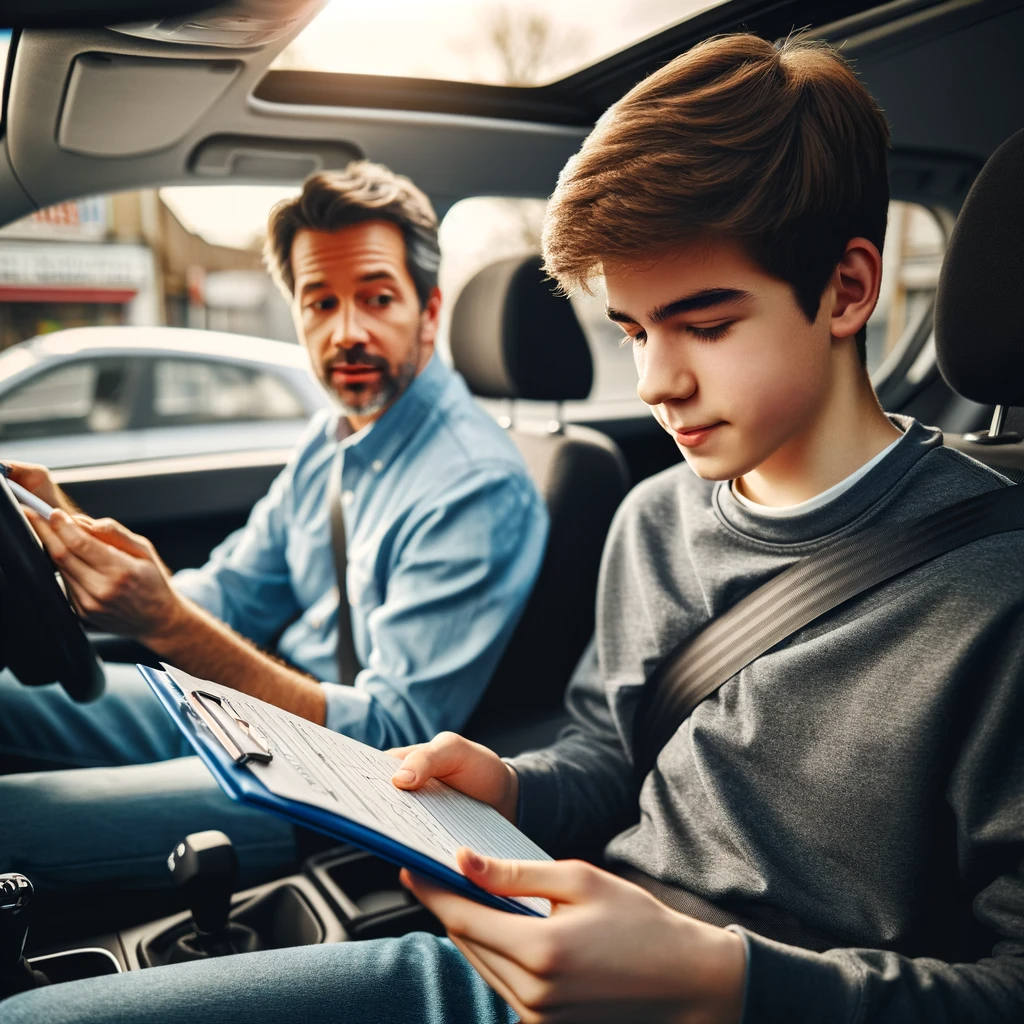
[(198, 643)]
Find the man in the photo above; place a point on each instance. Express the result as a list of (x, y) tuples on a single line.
[(445, 535), (864, 777)]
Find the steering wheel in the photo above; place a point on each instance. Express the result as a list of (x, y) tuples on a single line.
[(41, 639)]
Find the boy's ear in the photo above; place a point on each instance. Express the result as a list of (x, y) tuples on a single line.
[(855, 284)]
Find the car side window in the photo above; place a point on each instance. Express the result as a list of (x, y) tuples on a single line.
[(89, 396), (189, 391)]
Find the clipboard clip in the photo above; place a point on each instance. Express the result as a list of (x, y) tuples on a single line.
[(242, 741)]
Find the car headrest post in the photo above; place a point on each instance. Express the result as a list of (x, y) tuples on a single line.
[(995, 433)]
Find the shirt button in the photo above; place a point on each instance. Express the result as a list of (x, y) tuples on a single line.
[(377, 465), (347, 497)]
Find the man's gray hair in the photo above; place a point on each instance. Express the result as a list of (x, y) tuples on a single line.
[(364, 191)]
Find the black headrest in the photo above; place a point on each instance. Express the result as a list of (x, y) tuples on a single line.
[(979, 333), (512, 336)]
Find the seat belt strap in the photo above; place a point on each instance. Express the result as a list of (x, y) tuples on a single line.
[(348, 662), (726, 645)]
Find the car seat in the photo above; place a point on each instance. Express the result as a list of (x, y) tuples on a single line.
[(979, 334), (513, 337)]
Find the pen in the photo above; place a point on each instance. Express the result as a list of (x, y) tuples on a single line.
[(26, 497)]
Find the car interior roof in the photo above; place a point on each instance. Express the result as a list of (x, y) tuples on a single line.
[(77, 131)]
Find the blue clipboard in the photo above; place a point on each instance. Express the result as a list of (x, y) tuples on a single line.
[(242, 786)]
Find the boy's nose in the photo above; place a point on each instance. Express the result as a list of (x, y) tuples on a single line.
[(664, 376)]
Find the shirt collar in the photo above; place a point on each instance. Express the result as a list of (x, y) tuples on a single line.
[(382, 439), (864, 499)]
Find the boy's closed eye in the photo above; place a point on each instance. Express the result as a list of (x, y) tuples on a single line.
[(710, 331), (704, 332)]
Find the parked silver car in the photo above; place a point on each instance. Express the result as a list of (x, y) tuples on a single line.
[(92, 396)]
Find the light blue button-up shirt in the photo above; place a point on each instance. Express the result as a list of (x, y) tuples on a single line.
[(446, 532)]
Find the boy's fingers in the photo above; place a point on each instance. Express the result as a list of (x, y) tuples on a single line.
[(444, 755), (464, 916), (562, 881), (402, 752)]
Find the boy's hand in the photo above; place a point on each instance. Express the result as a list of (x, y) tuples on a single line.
[(39, 481), (609, 951), (462, 764)]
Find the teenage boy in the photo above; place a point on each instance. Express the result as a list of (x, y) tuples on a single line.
[(865, 778), (445, 535)]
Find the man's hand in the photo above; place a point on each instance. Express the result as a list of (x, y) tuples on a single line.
[(462, 764), (114, 577), (117, 582), (608, 952), (38, 480)]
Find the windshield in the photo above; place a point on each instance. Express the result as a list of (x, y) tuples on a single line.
[(526, 43)]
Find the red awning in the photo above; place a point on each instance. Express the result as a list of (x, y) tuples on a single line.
[(18, 293)]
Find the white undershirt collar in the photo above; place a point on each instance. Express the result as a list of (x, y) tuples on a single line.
[(819, 500)]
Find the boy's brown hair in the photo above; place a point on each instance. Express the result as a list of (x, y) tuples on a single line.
[(363, 191), (779, 147)]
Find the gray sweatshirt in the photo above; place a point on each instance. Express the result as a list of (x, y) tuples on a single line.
[(866, 776)]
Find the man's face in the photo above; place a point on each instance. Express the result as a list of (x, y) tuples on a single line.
[(726, 358), (359, 316)]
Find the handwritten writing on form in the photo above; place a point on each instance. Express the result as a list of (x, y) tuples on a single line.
[(317, 766)]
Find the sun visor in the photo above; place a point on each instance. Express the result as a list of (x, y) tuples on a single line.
[(126, 106)]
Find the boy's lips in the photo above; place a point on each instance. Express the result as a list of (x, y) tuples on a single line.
[(691, 437)]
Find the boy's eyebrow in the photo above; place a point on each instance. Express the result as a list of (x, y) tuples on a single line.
[(704, 299)]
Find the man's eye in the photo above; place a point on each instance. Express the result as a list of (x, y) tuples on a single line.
[(628, 339), (381, 301), (712, 333), (323, 305)]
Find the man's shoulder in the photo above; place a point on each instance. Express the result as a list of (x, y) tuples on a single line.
[(469, 438)]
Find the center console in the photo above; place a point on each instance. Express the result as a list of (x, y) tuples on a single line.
[(339, 894)]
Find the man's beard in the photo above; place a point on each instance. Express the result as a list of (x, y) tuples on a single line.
[(370, 398)]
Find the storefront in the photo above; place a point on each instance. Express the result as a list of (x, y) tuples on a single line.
[(58, 270)]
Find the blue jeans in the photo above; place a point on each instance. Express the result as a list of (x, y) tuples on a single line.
[(418, 978), (129, 797), (126, 725)]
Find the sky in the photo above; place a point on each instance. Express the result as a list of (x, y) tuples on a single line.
[(453, 39)]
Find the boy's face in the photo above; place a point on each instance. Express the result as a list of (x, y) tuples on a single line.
[(726, 358)]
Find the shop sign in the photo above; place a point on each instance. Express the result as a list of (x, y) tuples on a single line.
[(77, 220), (69, 265)]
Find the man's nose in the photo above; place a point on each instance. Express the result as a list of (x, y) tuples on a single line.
[(348, 327), (664, 373)]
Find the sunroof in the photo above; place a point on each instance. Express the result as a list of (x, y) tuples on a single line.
[(513, 43)]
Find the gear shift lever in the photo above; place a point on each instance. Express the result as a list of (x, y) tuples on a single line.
[(15, 973), (204, 868)]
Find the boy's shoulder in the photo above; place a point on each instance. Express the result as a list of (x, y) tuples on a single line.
[(672, 491)]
